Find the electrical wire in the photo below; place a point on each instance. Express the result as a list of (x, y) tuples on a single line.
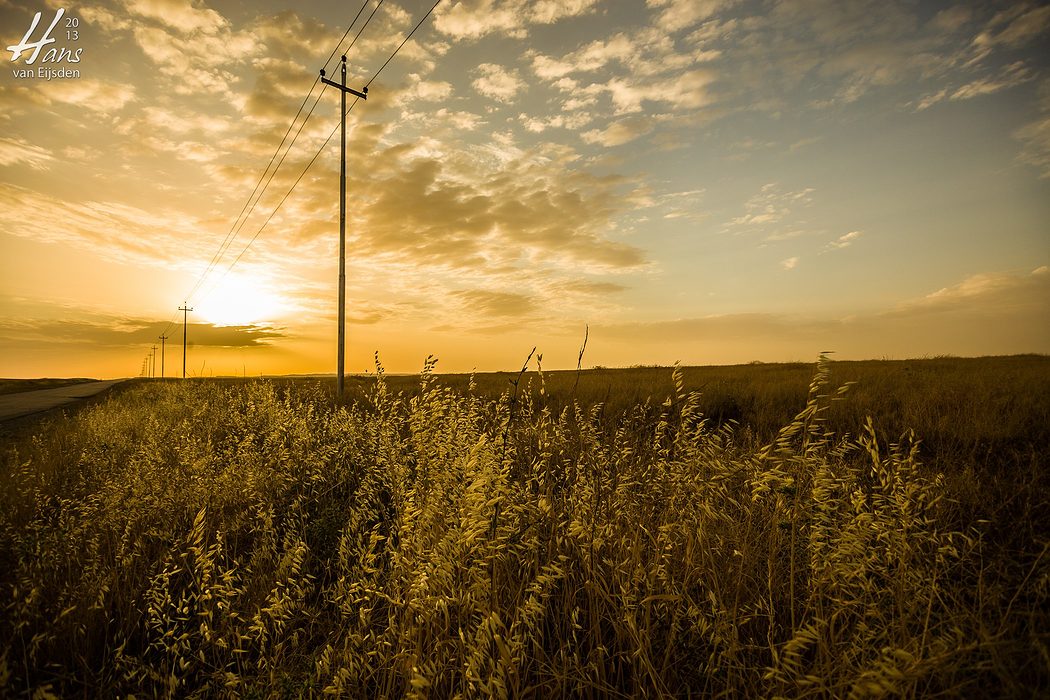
[(325, 144), (256, 194)]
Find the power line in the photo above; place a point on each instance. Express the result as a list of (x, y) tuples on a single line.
[(405, 41), (243, 217), (257, 193), (326, 141)]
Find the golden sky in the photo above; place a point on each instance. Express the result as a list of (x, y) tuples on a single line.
[(710, 181)]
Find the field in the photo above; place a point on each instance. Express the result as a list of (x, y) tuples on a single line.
[(754, 531)]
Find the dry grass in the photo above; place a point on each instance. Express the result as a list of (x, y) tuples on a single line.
[(201, 539)]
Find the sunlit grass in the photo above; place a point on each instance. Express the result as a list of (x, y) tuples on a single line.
[(209, 539)]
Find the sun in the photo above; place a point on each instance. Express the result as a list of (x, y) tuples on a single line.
[(238, 301)]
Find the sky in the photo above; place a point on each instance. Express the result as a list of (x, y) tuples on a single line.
[(703, 181)]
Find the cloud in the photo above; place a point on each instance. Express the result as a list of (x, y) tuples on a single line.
[(841, 52), (952, 19), (675, 15), (591, 57), (35, 323), (110, 229), (202, 65), (426, 90), (182, 15), (1036, 139), (497, 82), (771, 206), (789, 263), (457, 120), (845, 240), (1011, 75), (521, 209), (574, 120), (990, 291), (472, 19), (88, 93), (685, 90), (621, 132), (550, 11), (17, 150), (287, 35), (589, 288), (495, 303), (1012, 27)]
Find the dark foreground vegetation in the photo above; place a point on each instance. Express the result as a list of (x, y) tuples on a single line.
[(743, 531)]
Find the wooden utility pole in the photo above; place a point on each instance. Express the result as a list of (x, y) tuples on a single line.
[(343, 89), (162, 339), (153, 361), (184, 308)]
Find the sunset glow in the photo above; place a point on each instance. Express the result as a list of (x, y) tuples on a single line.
[(237, 301), (708, 181)]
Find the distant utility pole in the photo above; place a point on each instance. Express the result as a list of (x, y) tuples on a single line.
[(184, 308), (343, 89), (162, 339), (153, 361)]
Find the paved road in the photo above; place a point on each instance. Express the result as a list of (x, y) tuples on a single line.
[(27, 402)]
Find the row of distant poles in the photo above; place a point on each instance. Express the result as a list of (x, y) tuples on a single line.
[(149, 365)]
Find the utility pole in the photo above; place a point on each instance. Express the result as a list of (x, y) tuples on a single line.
[(162, 339), (153, 361), (184, 308), (343, 89)]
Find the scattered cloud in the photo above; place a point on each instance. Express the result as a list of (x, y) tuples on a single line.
[(621, 131), (494, 303), (1000, 291), (472, 19), (17, 150), (88, 93), (952, 19), (675, 15), (685, 90), (789, 263), (497, 82), (1036, 139), (589, 288), (462, 211), (1010, 76), (575, 120), (1012, 27), (426, 90), (845, 240), (183, 16), (771, 206), (112, 230), (1035, 135), (67, 325)]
